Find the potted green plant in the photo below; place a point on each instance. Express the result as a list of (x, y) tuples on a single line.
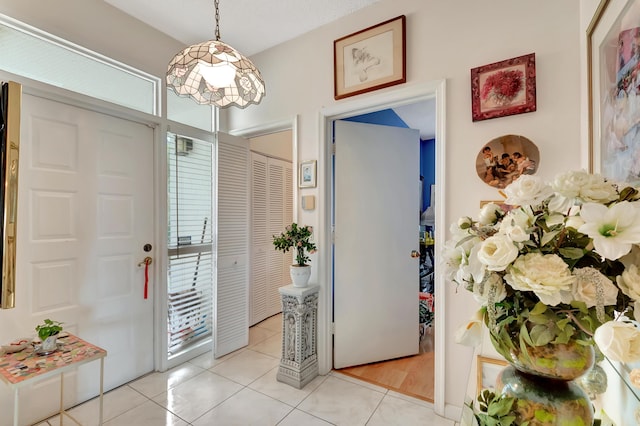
[(48, 333), (297, 238)]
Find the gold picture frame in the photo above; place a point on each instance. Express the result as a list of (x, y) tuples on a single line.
[(370, 59), (10, 99), (487, 372), (613, 63)]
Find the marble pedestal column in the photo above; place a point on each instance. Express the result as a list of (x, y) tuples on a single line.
[(299, 362)]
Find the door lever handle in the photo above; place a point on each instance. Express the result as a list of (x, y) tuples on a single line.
[(415, 253)]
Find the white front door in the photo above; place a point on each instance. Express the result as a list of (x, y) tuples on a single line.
[(376, 281), (85, 212)]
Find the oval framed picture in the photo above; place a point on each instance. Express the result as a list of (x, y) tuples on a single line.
[(504, 159)]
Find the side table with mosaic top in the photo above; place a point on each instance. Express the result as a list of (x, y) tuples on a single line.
[(21, 368), (299, 362)]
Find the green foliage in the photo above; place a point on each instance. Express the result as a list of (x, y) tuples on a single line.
[(298, 237), (495, 410), (48, 328)]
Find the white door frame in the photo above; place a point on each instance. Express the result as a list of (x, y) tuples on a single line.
[(405, 95)]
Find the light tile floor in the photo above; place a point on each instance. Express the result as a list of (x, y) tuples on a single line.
[(241, 389)]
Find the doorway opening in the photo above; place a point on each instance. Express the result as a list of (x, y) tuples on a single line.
[(276, 144), (435, 335), (410, 371)]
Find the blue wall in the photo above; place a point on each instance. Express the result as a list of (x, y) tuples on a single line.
[(388, 117)]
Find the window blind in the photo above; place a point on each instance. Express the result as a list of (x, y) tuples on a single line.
[(190, 241)]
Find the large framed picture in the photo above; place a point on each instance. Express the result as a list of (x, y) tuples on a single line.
[(307, 175), (370, 59), (504, 88), (613, 54)]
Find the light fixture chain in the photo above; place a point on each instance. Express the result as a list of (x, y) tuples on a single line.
[(217, 5)]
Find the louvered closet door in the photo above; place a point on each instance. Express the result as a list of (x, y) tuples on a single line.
[(260, 238), (272, 210), (287, 260), (232, 274), (276, 226)]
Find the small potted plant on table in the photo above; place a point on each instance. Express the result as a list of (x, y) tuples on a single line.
[(48, 334), (298, 237)]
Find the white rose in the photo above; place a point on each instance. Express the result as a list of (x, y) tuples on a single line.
[(497, 252), (489, 214), (618, 341), (586, 186), (515, 223), (527, 190), (470, 334), (483, 290), (585, 287), (570, 183), (629, 282), (598, 190), (546, 275), (516, 234)]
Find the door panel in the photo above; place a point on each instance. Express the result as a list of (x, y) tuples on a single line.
[(85, 207), (376, 284), (231, 328)]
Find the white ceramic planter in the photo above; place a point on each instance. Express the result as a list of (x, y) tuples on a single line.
[(300, 275)]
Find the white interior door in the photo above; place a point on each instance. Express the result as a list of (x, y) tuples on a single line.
[(376, 281), (85, 212), (231, 303)]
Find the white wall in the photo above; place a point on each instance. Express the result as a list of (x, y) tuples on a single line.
[(278, 145), (444, 41), (100, 27)]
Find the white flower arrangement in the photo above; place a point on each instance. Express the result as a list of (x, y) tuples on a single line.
[(562, 265)]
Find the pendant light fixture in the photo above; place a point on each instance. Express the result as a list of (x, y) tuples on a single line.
[(215, 73)]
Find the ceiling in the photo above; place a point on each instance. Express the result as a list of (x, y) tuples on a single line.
[(252, 26)]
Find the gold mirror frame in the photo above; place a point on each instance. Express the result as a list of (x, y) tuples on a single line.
[(11, 102)]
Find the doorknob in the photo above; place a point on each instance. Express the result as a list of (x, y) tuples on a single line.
[(415, 253), (147, 261)]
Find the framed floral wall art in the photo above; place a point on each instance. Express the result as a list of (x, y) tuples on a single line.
[(613, 73), (504, 88), (370, 59)]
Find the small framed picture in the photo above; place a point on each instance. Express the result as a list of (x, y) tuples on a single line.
[(370, 59), (504, 88), (488, 370), (307, 175)]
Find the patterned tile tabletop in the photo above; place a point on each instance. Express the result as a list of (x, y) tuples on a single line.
[(26, 364)]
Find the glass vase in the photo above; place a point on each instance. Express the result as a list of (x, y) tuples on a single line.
[(544, 401), (563, 361)]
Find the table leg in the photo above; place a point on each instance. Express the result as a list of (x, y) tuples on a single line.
[(101, 387), (61, 399), (16, 411)]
